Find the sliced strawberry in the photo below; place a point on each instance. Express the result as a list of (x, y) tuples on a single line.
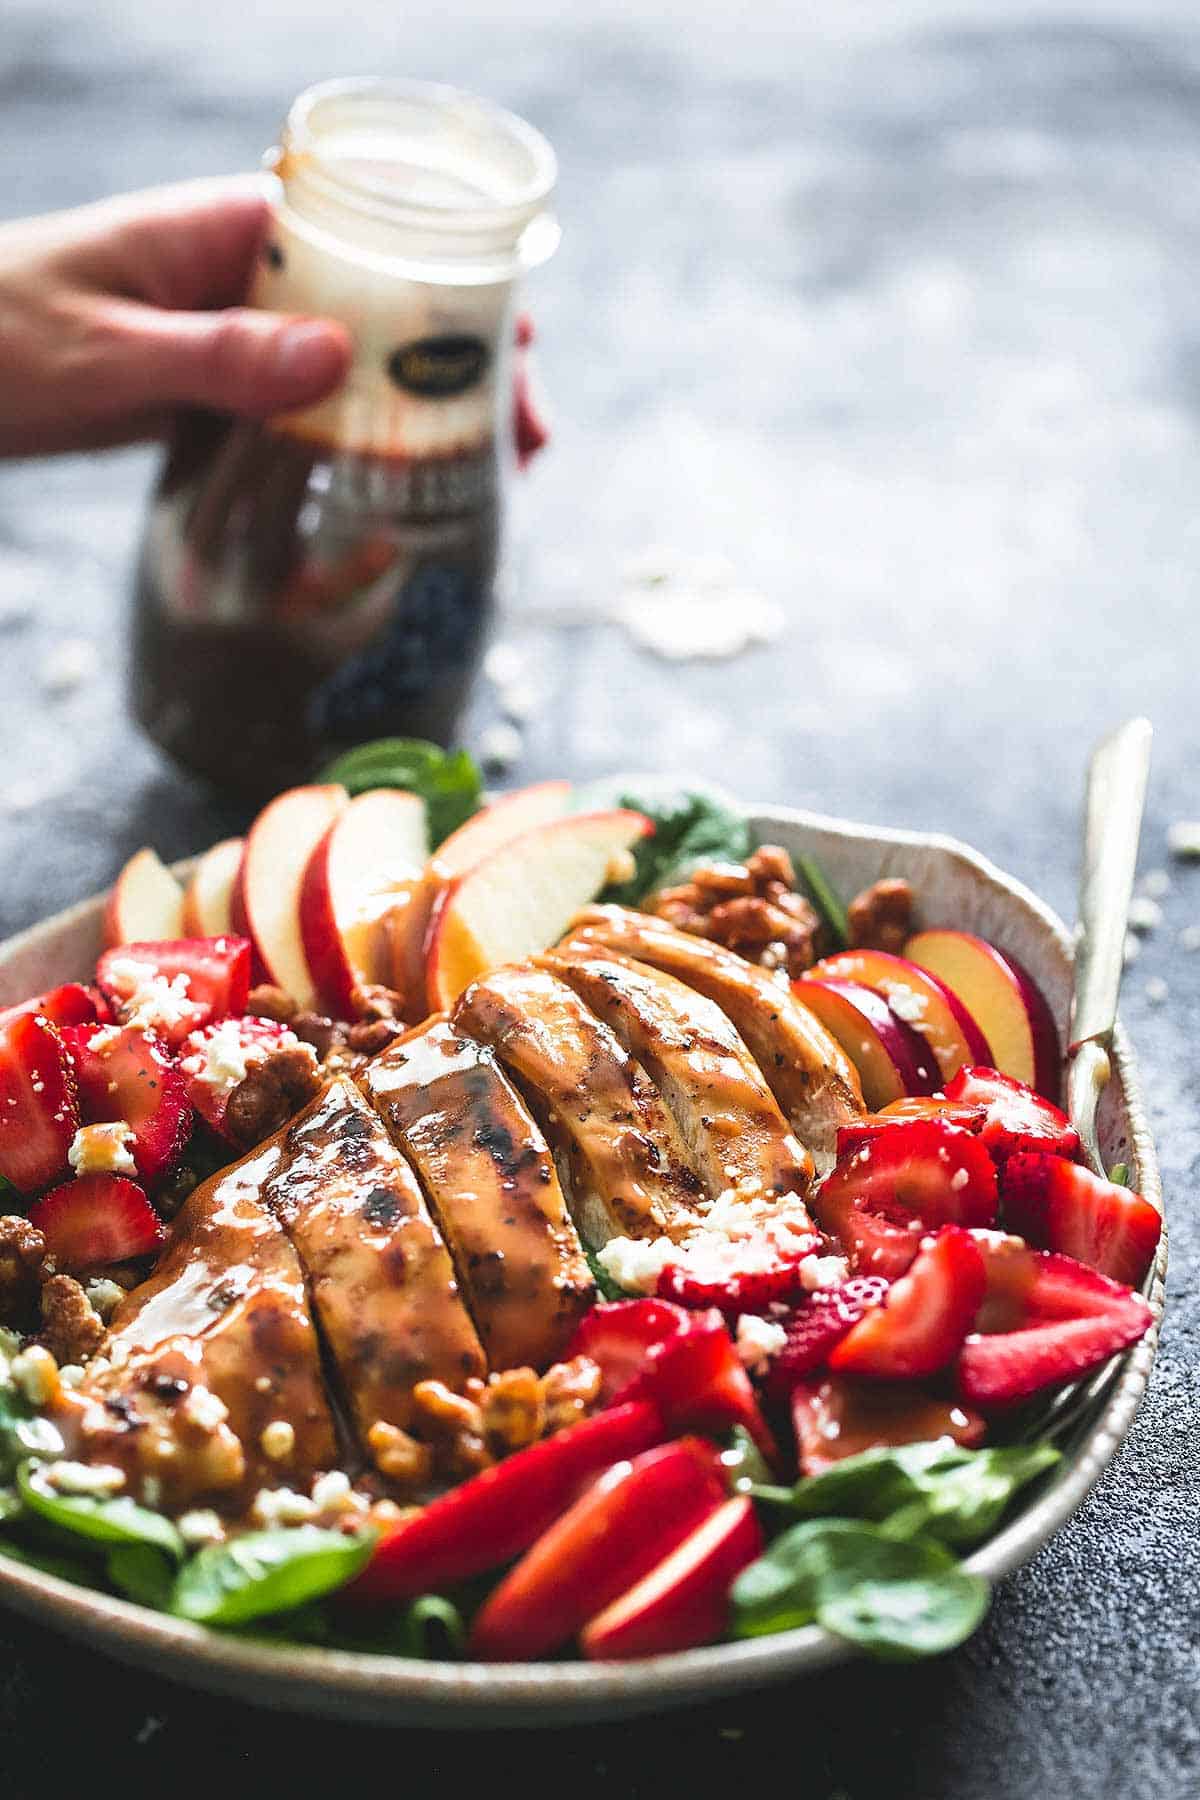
[(39, 1111), (179, 985), (619, 1335), (1060, 1205), (70, 1004), (215, 1059), (745, 1273), (814, 1328), (835, 1417), (1035, 1287), (97, 1219), (124, 1073), (926, 1316), (697, 1381), (861, 1132), (1015, 1118), (883, 1198)]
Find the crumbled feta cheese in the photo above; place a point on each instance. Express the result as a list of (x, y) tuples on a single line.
[(1145, 915), (1156, 883), (204, 1409), (151, 1000), (1183, 840), (201, 1526), (224, 1054), (500, 747), (331, 1492), (1156, 990), (71, 1375), (959, 1180), (102, 1149), (263, 1383), (278, 1440), (907, 1006), (758, 1340), (105, 1296), (36, 1374), (151, 1489), (1189, 938), (84, 1478), (282, 1506), (635, 1264), (823, 1272)]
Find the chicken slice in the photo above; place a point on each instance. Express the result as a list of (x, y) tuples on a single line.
[(809, 1074), (619, 1155), (201, 1358), (492, 1186), (382, 1283), (730, 1121)]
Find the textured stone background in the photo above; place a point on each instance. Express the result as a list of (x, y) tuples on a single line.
[(899, 311)]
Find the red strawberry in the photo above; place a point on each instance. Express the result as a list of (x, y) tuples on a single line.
[(926, 1316), (1046, 1319), (70, 1004), (245, 1042), (835, 1417), (1060, 1205), (739, 1275), (39, 1111), (619, 1334), (916, 1106), (1015, 1118), (97, 1219), (917, 1173), (179, 985), (817, 1326), (124, 1073)]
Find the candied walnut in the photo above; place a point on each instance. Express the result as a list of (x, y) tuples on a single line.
[(881, 917), (512, 1410), (455, 1424), (23, 1268), (315, 1029), (270, 1093), (370, 1036), (72, 1329), (270, 1002), (569, 1391), (377, 1003), (401, 1458), (753, 908)]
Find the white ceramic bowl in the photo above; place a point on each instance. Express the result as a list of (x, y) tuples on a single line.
[(955, 887)]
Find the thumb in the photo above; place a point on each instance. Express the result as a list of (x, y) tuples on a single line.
[(234, 360)]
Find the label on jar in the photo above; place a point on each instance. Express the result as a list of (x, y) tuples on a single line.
[(436, 367)]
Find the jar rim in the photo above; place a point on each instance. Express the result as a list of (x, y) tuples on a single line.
[(531, 174)]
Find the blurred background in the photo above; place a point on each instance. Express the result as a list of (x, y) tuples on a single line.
[(891, 309)]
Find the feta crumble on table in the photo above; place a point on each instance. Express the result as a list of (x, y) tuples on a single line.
[(103, 1149), (758, 1340)]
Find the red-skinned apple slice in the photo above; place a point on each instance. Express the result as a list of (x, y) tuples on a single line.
[(520, 899), (685, 1600), (917, 997), (369, 860), (891, 1058), (1001, 997), (266, 895), (145, 901), (511, 816), (208, 901)]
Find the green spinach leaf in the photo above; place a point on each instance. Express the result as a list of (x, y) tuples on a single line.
[(142, 1573), (67, 1568), (99, 1520), (447, 780), (689, 828), (23, 1433), (267, 1572), (744, 1464), (609, 1289)]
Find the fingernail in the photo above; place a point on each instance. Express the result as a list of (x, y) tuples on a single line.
[(310, 354)]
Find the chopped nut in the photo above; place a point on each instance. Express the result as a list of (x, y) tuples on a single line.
[(23, 1269), (316, 1029), (72, 1327), (104, 1295), (269, 1002), (398, 1456), (752, 908), (881, 917), (512, 1411), (369, 1038), (272, 1091), (35, 1372), (456, 1425), (568, 1391)]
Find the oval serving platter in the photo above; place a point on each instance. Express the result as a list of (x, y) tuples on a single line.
[(955, 886)]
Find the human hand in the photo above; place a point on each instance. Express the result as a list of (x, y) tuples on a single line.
[(114, 315)]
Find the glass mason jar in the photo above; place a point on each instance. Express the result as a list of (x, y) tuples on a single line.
[(327, 576)]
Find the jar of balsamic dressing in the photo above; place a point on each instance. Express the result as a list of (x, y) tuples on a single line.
[(327, 576)]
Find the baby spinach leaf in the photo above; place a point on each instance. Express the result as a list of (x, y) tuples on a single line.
[(98, 1519), (609, 1289), (267, 1572), (67, 1568), (142, 1573), (744, 1465), (689, 828), (23, 1433), (431, 1627), (896, 1597), (447, 780)]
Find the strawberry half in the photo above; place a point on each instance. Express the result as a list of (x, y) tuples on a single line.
[(916, 1106), (39, 1110), (70, 1004), (95, 1220), (814, 1329), (1015, 1118), (619, 1334), (1059, 1205), (926, 1316), (1046, 1319), (124, 1073), (178, 985), (834, 1417), (918, 1173)]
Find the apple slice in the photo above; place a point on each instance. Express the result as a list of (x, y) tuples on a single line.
[(520, 899), (918, 998), (146, 902), (684, 1602), (891, 1058), (207, 904), (511, 816), (369, 861), (266, 895), (1004, 1000)]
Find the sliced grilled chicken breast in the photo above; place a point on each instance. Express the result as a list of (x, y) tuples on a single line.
[(382, 1284), (809, 1074), (618, 1152), (491, 1183), (201, 1358), (730, 1120)]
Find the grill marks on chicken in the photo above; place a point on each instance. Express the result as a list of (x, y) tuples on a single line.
[(619, 1155), (726, 1113), (208, 1352), (492, 1184), (809, 1074), (380, 1277)]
